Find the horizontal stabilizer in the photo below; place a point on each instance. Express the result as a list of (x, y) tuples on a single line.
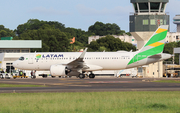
[(156, 56)]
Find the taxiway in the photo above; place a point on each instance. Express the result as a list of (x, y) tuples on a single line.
[(88, 85)]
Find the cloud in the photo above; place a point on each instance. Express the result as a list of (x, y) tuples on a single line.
[(48, 11), (119, 10)]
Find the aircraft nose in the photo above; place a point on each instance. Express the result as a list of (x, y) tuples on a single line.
[(15, 64)]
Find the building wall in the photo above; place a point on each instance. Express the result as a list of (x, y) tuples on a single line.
[(171, 37), (14, 50), (125, 38), (154, 70), (147, 23)]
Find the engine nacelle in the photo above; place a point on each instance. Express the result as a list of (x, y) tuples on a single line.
[(58, 70)]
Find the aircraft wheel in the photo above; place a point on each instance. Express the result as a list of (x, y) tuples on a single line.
[(33, 77), (1, 76), (81, 76), (91, 76), (53, 76)]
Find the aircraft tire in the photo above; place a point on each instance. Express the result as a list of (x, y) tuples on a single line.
[(33, 77), (1, 76), (91, 76), (81, 76), (53, 76)]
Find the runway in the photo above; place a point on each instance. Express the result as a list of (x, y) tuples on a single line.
[(98, 84)]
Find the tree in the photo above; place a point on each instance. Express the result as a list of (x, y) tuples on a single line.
[(102, 48), (109, 43), (168, 48), (5, 32), (56, 37), (102, 29), (35, 24), (53, 40), (81, 36), (94, 46)]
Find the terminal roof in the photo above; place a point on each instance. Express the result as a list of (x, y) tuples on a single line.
[(20, 44)]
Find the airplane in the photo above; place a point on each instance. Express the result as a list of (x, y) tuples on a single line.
[(78, 63)]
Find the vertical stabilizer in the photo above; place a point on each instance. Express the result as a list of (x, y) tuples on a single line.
[(154, 45)]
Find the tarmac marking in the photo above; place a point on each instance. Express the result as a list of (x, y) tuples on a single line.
[(64, 84), (109, 82), (16, 82), (80, 85), (70, 80)]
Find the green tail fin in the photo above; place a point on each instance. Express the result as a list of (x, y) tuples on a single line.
[(155, 45)]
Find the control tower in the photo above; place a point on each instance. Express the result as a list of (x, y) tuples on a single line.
[(177, 21), (147, 16)]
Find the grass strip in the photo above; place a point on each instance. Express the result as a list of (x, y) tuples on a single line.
[(91, 102), (168, 81), (20, 85)]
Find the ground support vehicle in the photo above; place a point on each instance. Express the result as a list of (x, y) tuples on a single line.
[(5, 76)]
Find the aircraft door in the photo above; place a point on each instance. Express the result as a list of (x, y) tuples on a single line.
[(31, 59)]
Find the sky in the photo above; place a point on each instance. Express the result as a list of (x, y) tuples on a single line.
[(78, 14)]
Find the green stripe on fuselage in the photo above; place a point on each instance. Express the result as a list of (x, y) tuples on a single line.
[(145, 54)]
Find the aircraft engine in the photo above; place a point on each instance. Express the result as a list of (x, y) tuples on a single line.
[(59, 70)]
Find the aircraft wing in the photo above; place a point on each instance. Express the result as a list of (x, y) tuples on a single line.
[(78, 64)]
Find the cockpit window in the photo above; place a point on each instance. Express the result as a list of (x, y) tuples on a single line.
[(21, 58)]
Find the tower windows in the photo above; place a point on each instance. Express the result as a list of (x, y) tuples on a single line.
[(147, 7), (163, 7), (153, 22), (135, 7), (145, 22), (154, 7), (143, 7)]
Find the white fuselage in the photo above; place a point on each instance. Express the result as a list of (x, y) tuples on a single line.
[(95, 60)]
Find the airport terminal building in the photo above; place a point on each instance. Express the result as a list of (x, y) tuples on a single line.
[(11, 50)]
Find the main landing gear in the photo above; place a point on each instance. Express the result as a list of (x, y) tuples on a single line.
[(91, 75), (82, 75)]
